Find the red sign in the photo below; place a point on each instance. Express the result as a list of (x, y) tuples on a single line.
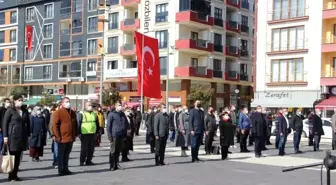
[(96, 90), (61, 91), (29, 37)]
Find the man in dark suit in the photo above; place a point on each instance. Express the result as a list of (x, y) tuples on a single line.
[(196, 119), (317, 129), (161, 132), (258, 130), (210, 129), (150, 129), (138, 119), (283, 130)]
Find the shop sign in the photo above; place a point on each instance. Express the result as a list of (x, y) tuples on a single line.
[(277, 95)]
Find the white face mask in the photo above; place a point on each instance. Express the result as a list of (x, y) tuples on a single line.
[(285, 113), (119, 108), (89, 108), (38, 112), (29, 110), (18, 103), (67, 105), (298, 113), (155, 110), (186, 110), (7, 105), (164, 110)]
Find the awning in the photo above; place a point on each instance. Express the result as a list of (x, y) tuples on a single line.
[(32, 101), (327, 104)]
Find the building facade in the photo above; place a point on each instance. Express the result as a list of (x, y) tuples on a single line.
[(201, 42), (288, 53)]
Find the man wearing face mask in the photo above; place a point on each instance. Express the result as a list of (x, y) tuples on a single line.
[(283, 131), (245, 127), (88, 127), (317, 129), (210, 129), (161, 133), (150, 129), (116, 131), (128, 142), (101, 121), (138, 119), (3, 109), (258, 130), (297, 126), (196, 120), (65, 130)]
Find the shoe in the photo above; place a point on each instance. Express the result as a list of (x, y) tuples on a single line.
[(162, 164), (244, 151), (126, 160), (81, 164), (16, 179), (193, 160), (183, 153), (264, 148), (269, 143), (118, 167), (34, 160), (152, 151), (61, 174), (90, 163), (198, 160), (68, 172), (229, 152), (257, 156), (298, 152)]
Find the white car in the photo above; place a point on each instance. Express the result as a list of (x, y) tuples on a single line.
[(326, 128)]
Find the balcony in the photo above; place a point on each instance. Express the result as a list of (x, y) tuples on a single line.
[(328, 77), (232, 26), (231, 76), (187, 71), (195, 19), (329, 44), (130, 25), (243, 77), (71, 74), (121, 73), (329, 10), (217, 74), (285, 79), (290, 14), (218, 48), (288, 47), (128, 50), (130, 3), (234, 3), (232, 51), (15, 79), (91, 73), (219, 22), (244, 29), (198, 46), (244, 53), (3, 79)]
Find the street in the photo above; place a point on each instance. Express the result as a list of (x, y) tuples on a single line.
[(242, 169)]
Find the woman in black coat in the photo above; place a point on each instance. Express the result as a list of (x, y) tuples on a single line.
[(15, 126), (38, 132), (226, 134)]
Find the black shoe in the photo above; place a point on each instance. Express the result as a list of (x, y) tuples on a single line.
[(118, 167), (193, 160), (68, 172), (61, 174), (257, 155), (90, 163), (126, 160), (244, 151), (198, 160), (162, 164), (269, 143), (229, 152), (152, 151), (298, 152), (81, 164), (16, 179)]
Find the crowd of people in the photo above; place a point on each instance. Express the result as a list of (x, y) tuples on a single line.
[(25, 128)]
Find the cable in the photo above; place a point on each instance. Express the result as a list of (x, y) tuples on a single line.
[(321, 174)]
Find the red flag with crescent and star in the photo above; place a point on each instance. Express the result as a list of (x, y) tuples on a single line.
[(29, 37), (147, 49)]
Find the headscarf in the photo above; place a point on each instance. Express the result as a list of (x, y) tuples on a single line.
[(35, 111)]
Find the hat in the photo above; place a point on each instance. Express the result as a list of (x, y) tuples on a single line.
[(16, 97)]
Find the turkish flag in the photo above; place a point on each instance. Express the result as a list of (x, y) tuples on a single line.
[(29, 37), (147, 49)]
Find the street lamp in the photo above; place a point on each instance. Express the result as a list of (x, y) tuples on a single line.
[(237, 92)]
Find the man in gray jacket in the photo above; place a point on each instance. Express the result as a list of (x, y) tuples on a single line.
[(333, 124), (161, 132)]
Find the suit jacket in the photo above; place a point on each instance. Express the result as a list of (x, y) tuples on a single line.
[(150, 122), (317, 125), (283, 128), (161, 124), (196, 121), (64, 125)]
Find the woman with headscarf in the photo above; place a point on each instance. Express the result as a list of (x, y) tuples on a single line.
[(225, 129), (184, 129), (38, 132)]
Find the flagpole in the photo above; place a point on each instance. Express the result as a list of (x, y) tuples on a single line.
[(142, 73)]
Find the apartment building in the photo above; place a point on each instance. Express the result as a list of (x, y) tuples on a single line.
[(288, 53), (201, 42)]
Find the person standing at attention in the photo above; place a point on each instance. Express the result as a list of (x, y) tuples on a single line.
[(297, 126), (64, 125), (245, 127), (196, 119), (161, 133)]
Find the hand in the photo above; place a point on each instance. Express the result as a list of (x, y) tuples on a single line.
[(183, 132), (129, 132), (53, 137), (281, 134), (157, 137), (192, 133), (58, 140), (111, 139), (243, 131), (207, 133), (6, 141)]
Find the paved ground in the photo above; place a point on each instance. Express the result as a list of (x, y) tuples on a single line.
[(241, 169)]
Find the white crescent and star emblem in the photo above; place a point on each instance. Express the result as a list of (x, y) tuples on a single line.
[(150, 51)]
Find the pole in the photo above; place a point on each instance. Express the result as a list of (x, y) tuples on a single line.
[(328, 177), (142, 74), (102, 67), (167, 75)]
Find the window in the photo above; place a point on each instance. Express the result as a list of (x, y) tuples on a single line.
[(48, 31), (161, 13), (65, 7), (12, 36), (29, 73), (2, 37), (326, 123), (194, 62), (243, 47), (217, 65), (65, 27), (92, 24), (47, 51), (77, 6), (49, 11), (194, 35), (163, 65), (114, 2), (1, 55), (244, 20), (113, 21), (47, 72), (287, 9), (218, 13), (30, 14), (287, 70), (12, 54), (218, 42), (92, 47), (162, 36), (112, 64), (112, 45), (64, 49), (13, 17), (2, 18), (285, 39), (334, 65), (29, 54), (38, 72), (132, 64), (243, 68), (92, 5), (76, 48), (91, 66), (77, 25)]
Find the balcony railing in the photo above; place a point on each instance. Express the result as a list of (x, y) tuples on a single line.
[(329, 74), (232, 50), (233, 2), (201, 70), (288, 13), (243, 77), (201, 43), (16, 79), (219, 22), (329, 6), (202, 16), (232, 24), (289, 77), (71, 74), (243, 53), (129, 47), (218, 48), (232, 74), (129, 22), (3, 79), (244, 28), (288, 45), (329, 40), (217, 74)]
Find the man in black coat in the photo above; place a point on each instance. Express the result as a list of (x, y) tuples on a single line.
[(138, 119), (6, 105), (269, 120), (258, 130), (150, 129), (297, 126), (210, 127), (161, 132), (128, 141), (196, 120), (283, 130), (317, 129), (172, 123)]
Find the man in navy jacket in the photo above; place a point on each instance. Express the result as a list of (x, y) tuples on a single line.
[(196, 120), (244, 124), (283, 131)]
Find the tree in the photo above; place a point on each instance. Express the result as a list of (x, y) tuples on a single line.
[(110, 96), (17, 90), (202, 93), (47, 100)]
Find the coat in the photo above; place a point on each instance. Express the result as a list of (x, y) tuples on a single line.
[(210, 123), (225, 130), (196, 121), (317, 125), (16, 128), (64, 125), (183, 139), (161, 125), (116, 125), (38, 131), (259, 127), (150, 122)]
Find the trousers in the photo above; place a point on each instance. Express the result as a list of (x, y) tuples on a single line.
[(208, 141), (64, 150), (17, 160), (160, 146), (116, 146), (88, 142)]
